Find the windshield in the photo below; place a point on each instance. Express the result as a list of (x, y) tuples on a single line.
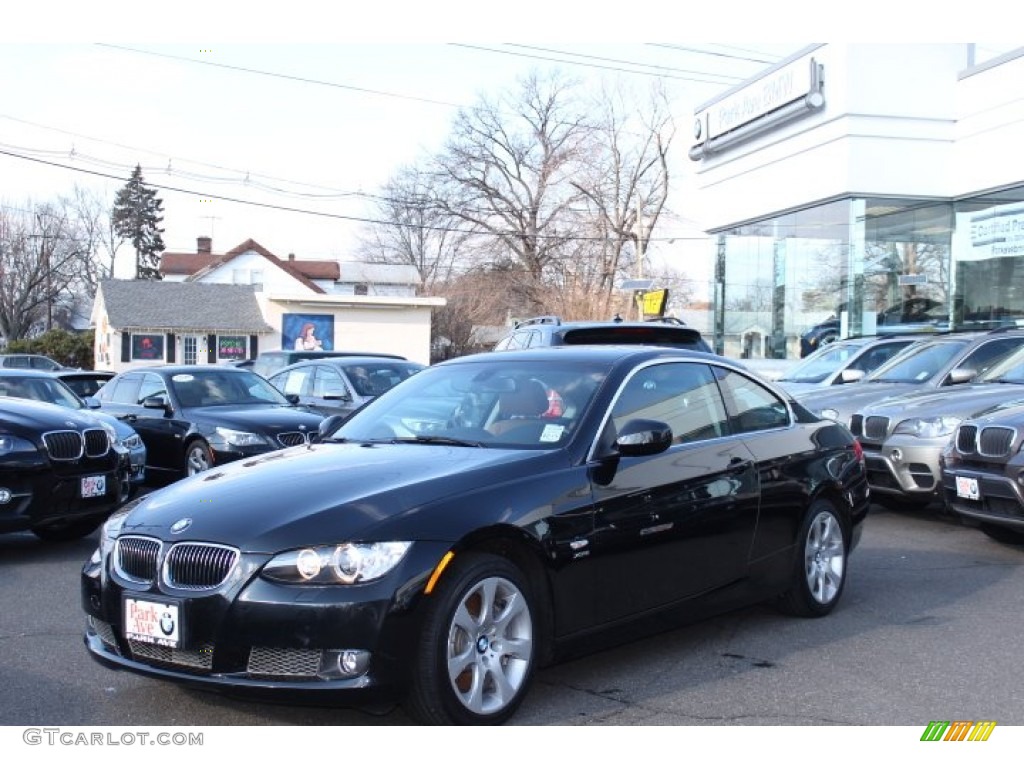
[(918, 364), (1009, 370), (46, 390), (485, 404), (224, 386), (822, 363)]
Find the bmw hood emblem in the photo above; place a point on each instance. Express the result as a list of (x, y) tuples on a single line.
[(181, 525)]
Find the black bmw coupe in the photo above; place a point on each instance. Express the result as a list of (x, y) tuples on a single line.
[(457, 532)]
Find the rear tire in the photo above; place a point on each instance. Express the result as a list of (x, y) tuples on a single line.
[(478, 648), (820, 569)]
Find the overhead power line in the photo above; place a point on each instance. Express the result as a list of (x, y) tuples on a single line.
[(306, 211)]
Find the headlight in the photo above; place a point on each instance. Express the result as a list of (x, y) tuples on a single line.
[(132, 442), (939, 426), (829, 413), (346, 563), (14, 444), (234, 437)]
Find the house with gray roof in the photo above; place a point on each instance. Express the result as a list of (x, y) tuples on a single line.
[(142, 322)]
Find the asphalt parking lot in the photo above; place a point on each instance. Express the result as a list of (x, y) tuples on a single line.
[(928, 629)]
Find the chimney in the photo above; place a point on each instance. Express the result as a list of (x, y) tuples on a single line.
[(204, 244), (291, 257)]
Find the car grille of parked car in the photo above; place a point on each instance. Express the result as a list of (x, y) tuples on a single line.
[(69, 445), (199, 566), (188, 565), (135, 558), (295, 438), (284, 662), (201, 658), (989, 441), (263, 663), (876, 427)]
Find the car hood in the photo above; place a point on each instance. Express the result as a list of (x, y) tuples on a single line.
[(32, 416), (964, 401), (324, 493), (852, 398), (123, 430), (272, 418)]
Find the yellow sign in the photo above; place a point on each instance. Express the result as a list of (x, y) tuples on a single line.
[(653, 302)]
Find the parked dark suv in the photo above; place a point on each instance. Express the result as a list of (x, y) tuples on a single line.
[(552, 331), (982, 471)]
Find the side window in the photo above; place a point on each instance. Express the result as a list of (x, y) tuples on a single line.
[(683, 395), (295, 382), (987, 355), (126, 390), (752, 407), (328, 382), (151, 386)]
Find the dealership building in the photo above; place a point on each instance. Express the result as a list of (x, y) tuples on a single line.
[(877, 184)]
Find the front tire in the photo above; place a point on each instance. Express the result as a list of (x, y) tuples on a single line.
[(198, 458), (479, 645), (820, 572)]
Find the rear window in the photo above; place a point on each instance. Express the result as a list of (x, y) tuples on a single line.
[(662, 336)]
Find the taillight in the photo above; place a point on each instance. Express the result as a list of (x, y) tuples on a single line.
[(858, 451)]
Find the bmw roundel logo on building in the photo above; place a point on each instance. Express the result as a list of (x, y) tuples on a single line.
[(181, 525)]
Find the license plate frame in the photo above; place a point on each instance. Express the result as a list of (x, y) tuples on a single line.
[(967, 488), (93, 486), (158, 622)]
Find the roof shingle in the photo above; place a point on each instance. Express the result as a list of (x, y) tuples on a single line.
[(182, 307)]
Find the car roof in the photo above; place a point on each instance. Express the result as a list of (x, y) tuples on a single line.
[(29, 373), (341, 360), (602, 353)]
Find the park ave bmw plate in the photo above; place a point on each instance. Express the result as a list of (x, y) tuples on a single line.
[(150, 622)]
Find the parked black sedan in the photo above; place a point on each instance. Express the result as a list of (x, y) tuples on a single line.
[(59, 472), (448, 538), (193, 417)]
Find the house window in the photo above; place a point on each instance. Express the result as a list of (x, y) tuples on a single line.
[(240, 276), (231, 347), (256, 279), (147, 346), (361, 289)]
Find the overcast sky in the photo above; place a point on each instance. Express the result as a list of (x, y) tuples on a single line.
[(247, 133)]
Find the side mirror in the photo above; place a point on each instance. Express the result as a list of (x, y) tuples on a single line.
[(157, 401), (850, 375), (292, 398), (643, 437), (961, 375), (330, 425), (91, 402), (338, 394)]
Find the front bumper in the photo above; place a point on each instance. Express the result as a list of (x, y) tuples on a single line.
[(1001, 497), (905, 466), (41, 496), (264, 639)]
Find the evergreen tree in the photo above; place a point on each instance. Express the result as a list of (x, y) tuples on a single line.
[(136, 216)]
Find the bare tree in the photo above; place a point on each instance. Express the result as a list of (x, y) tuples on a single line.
[(625, 180), (92, 217), (40, 257), (508, 164), (414, 230)]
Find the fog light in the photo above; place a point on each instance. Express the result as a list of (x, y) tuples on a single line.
[(343, 664), (896, 454), (1020, 478), (5, 495)]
